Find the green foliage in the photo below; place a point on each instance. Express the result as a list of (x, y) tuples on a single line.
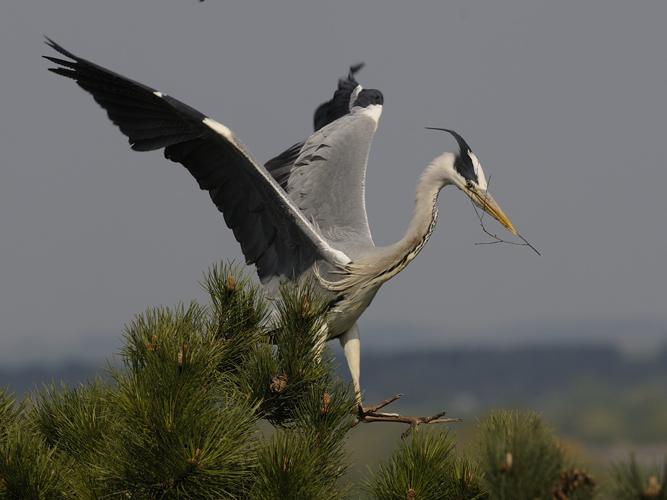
[(520, 457), (424, 467), (180, 419), (630, 481), (279, 377), (466, 480), (180, 431), (297, 391), (294, 463), (237, 314), (28, 468), (9, 412), (75, 422)]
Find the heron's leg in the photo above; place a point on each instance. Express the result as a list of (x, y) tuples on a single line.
[(352, 348)]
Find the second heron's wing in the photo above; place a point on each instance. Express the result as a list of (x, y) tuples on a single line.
[(339, 105)]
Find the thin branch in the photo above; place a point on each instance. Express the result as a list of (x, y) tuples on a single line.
[(386, 402), (494, 237), (371, 415), (412, 420)]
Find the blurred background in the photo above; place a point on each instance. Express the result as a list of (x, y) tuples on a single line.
[(563, 102)]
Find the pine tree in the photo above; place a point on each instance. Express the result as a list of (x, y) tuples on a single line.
[(222, 400), (521, 458), (425, 466)]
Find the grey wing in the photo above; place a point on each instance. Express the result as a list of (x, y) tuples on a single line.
[(327, 181), (273, 233)]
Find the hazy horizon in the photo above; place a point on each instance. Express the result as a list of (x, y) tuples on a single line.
[(635, 338)]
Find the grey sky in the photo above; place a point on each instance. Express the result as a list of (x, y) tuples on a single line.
[(563, 102)]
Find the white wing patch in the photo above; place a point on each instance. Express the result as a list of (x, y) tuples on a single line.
[(158, 93), (219, 128)]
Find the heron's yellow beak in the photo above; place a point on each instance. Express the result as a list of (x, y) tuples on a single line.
[(486, 202)]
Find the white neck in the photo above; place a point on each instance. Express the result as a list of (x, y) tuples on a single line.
[(424, 218)]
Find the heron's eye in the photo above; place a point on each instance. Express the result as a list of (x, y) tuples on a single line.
[(469, 184)]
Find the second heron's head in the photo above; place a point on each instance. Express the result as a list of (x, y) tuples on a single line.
[(465, 172)]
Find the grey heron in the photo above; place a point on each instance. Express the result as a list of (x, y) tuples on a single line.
[(303, 214)]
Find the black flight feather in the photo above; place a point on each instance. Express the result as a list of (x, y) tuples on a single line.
[(152, 120)]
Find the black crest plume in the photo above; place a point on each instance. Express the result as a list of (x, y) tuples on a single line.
[(463, 163), (463, 145)]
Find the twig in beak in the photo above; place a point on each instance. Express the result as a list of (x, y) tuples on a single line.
[(495, 237)]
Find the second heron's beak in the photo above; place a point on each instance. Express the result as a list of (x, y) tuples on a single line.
[(486, 202)]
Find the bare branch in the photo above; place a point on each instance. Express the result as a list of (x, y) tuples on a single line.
[(412, 420), (371, 415), (384, 403)]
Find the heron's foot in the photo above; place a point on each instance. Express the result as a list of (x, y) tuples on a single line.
[(371, 414)]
